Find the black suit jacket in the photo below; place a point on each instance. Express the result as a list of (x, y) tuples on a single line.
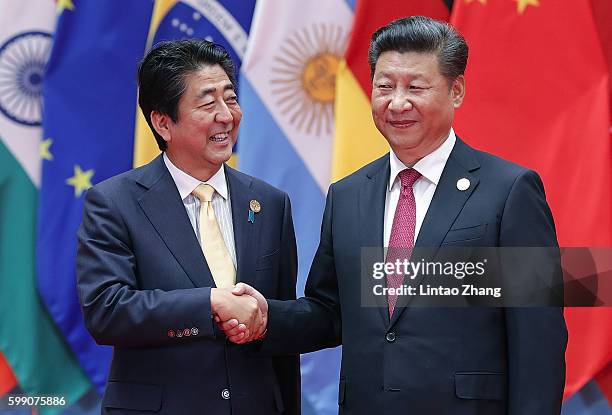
[(460, 361), (144, 288)]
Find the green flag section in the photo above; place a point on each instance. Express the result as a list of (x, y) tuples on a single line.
[(28, 339)]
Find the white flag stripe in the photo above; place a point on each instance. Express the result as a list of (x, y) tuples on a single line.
[(18, 22), (225, 23), (291, 61)]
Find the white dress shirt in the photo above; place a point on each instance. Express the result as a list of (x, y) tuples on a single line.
[(430, 167), (220, 201)]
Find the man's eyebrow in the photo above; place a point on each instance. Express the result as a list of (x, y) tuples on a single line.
[(392, 75)]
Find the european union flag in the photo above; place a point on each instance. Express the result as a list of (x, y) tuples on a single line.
[(90, 97)]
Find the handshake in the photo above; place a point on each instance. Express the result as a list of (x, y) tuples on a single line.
[(241, 312)]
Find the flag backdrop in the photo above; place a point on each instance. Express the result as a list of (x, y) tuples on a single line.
[(89, 98), (538, 94), (7, 378), (221, 21), (287, 89), (28, 338), (291, 136)]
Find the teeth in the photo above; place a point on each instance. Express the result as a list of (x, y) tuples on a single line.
[(219, 137)]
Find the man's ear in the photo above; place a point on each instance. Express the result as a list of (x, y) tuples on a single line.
[(458, 90), (161, 123)]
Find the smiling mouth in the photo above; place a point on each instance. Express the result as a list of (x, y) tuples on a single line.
[(220, 137), (402, 124)]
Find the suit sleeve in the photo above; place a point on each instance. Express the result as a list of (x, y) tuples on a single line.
[(117, 312), (536, 336), (312, 322), (289, 259)]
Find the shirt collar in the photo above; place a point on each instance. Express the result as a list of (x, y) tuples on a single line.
[(430, 166), (187, 184)]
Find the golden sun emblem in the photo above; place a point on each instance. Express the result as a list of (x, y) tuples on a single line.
[(304, 79)]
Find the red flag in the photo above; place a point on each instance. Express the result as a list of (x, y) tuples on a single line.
[(7, 378), (538, 94), (602, 12)]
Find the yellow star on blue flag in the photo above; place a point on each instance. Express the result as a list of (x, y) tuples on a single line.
[(64, 5), (81, 180), (44, 149)]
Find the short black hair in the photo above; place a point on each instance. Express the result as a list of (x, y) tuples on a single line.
[(425, 35), (162, 73)]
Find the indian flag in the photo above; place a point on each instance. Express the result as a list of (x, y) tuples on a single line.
[(28, 338)]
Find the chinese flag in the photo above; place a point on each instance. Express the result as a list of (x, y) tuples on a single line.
[(538, 94), (7, 379)]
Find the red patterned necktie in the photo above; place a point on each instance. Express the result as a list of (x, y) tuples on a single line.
[(401, 241)]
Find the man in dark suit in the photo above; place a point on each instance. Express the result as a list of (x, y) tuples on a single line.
[(161, 246), (431, 191)]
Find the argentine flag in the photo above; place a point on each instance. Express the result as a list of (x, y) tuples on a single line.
[(287, 92)]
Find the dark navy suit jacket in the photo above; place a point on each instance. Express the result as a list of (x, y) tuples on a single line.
[(144, 287), (459, 361)]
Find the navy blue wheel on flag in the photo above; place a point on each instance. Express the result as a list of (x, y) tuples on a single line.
[(22, 64)]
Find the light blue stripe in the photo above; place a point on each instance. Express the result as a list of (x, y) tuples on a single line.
[(266, 153), (588, 401), (351, 4)]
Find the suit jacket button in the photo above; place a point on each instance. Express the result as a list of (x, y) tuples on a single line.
[(390, 337), (225, 394)]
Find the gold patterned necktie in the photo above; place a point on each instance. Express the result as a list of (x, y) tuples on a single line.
[(213, 246)]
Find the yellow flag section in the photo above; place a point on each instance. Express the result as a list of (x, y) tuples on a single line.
[(145, 146), (357, 141)]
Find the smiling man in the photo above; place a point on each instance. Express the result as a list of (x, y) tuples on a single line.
[(161, 246), (431, 190)]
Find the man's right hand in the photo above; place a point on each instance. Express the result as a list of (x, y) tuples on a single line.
[(232, 327), (248, 321)]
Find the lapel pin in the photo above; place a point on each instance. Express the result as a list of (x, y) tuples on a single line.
[(463, 184), (254, 207)]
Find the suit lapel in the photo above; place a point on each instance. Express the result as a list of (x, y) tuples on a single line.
[(445, 206), (371, 222), (241, 195), (164, 208)]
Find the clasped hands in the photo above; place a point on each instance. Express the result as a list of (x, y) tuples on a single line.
[(241, 312)]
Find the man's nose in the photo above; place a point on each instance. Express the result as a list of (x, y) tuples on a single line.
[(400, 102), (224, 115)]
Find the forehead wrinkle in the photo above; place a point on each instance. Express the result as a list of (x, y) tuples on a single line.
[(206, 91)]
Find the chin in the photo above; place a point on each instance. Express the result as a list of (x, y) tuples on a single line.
[(406, 143), (225, 157)]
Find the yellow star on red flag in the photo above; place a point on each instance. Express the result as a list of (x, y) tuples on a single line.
[(479, 1), (81, 180), (521, 5)]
